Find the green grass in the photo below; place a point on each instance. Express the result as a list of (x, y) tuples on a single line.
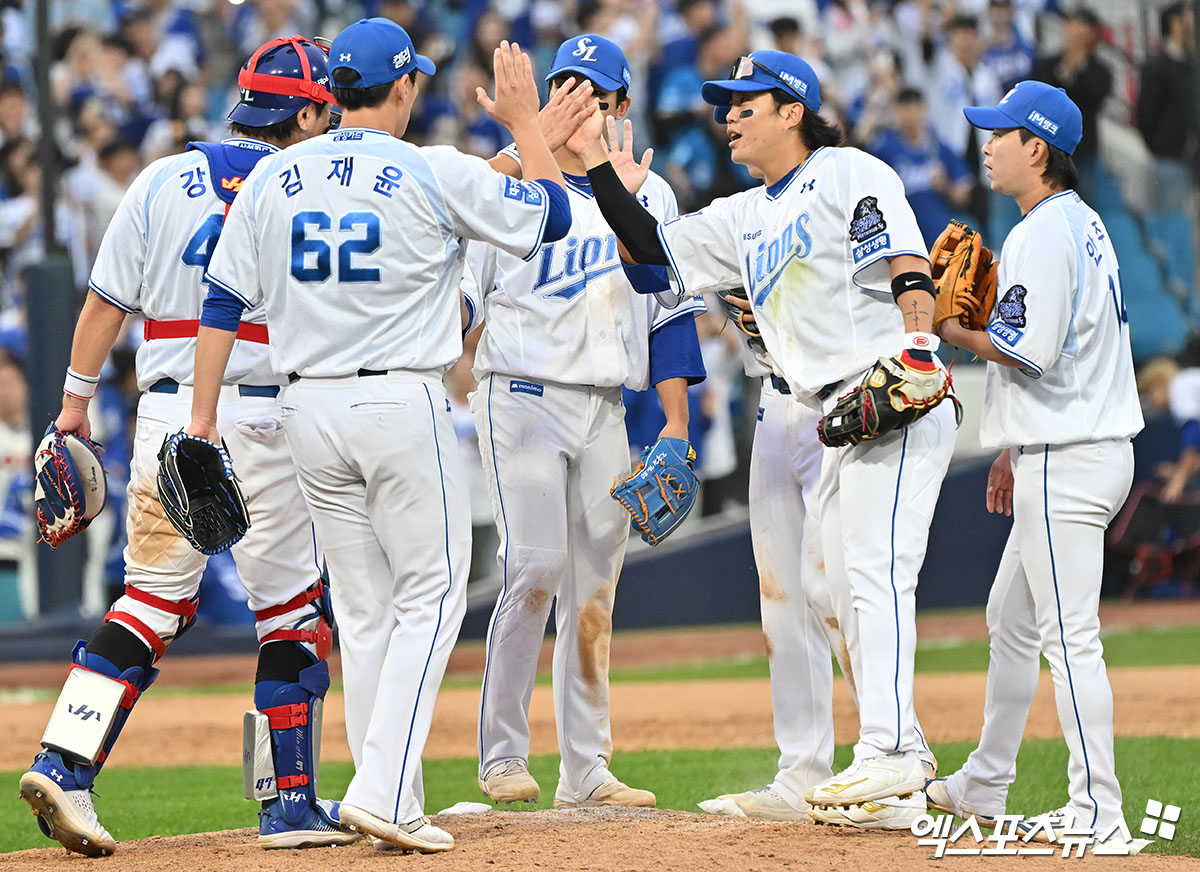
[(1173, 646), (136, 803)]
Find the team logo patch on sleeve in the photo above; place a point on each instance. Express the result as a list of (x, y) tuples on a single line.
[(1012, 307), (867, 221)]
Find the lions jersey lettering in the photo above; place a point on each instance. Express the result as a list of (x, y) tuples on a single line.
[(772, 258), (569, 315), (566, 267), (346, 226), (1061, 315), (812, 250), (157, 246)]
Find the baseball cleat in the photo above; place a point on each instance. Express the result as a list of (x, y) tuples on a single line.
[(871, 778), (418, 834), (764, 804), (612, 793), (937, 796), (321, 828), (64, 809), (892, 813), (1044, 825), (510, 781)]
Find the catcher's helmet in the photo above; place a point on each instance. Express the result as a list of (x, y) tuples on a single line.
[(279, 80)]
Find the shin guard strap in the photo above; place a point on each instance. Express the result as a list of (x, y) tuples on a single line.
[(285, 717)]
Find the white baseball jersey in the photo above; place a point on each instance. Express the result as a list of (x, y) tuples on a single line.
[(152, 260), (811, 251), (354, 243), (1061, 312), (570, 315)]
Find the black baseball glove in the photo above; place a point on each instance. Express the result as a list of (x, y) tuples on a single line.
[(894, 393), (199, 493)]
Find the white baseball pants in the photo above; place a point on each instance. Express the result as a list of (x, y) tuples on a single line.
[(550, 454), (799, 615), (876, 502), (1045, 599), (276, 559), (379, 467)]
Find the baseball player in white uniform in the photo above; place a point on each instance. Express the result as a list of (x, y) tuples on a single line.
[(353, 243), (1061, 404), (564, 331), (799, 615), (825, 250), (151, 261)]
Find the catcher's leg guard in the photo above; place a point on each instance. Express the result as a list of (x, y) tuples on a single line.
[(91, 710), (282, 739)]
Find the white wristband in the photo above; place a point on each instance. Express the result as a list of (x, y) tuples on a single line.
[(921, 342), (82, 387)]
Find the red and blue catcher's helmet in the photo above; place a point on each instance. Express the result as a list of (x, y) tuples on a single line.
[(279, 80)]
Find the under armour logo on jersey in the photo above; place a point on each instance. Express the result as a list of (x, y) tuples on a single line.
[(344, 57), (810, 185), (401, 58), (585, 49), (644, 200)]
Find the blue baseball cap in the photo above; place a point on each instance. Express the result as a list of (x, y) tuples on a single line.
[(378, 50), (1042, 109), (765, 70), (597, 59)]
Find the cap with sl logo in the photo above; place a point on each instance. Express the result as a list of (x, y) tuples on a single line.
[(379, 50), (598, 59), (1042, 109)]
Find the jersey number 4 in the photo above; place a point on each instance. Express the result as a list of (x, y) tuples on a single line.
[(312, 256)]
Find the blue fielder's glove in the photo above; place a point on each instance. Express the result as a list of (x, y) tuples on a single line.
[(659, 494), (199, 493), (70, 487)]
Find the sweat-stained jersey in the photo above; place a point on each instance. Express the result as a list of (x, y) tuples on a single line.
[(1060, 311), (354, 243), (811, 250), (153, 256)]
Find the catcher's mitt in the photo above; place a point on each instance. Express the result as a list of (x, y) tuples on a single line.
[(965, 275), (70, 487), (659, 494), (895, 392), (199, 493)]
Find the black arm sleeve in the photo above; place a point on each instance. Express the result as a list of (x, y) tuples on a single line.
[(635, 227)]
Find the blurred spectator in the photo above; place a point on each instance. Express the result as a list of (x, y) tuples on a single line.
[(937, 182), (694, 156), (16, 119), (1087, 80), (1008, 55), (776, 23), (1166, 114), (118, 162), (15, 437), (847, 44), (872, 112), (184, 123), (960, 79), (681, 32)]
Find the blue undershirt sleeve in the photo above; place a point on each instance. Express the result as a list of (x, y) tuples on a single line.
[(558, 212), (675, 352), (222, 309)]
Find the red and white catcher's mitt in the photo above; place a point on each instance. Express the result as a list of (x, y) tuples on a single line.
[(69, 485)]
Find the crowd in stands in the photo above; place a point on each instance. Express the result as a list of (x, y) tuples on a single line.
[(134, 80)]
